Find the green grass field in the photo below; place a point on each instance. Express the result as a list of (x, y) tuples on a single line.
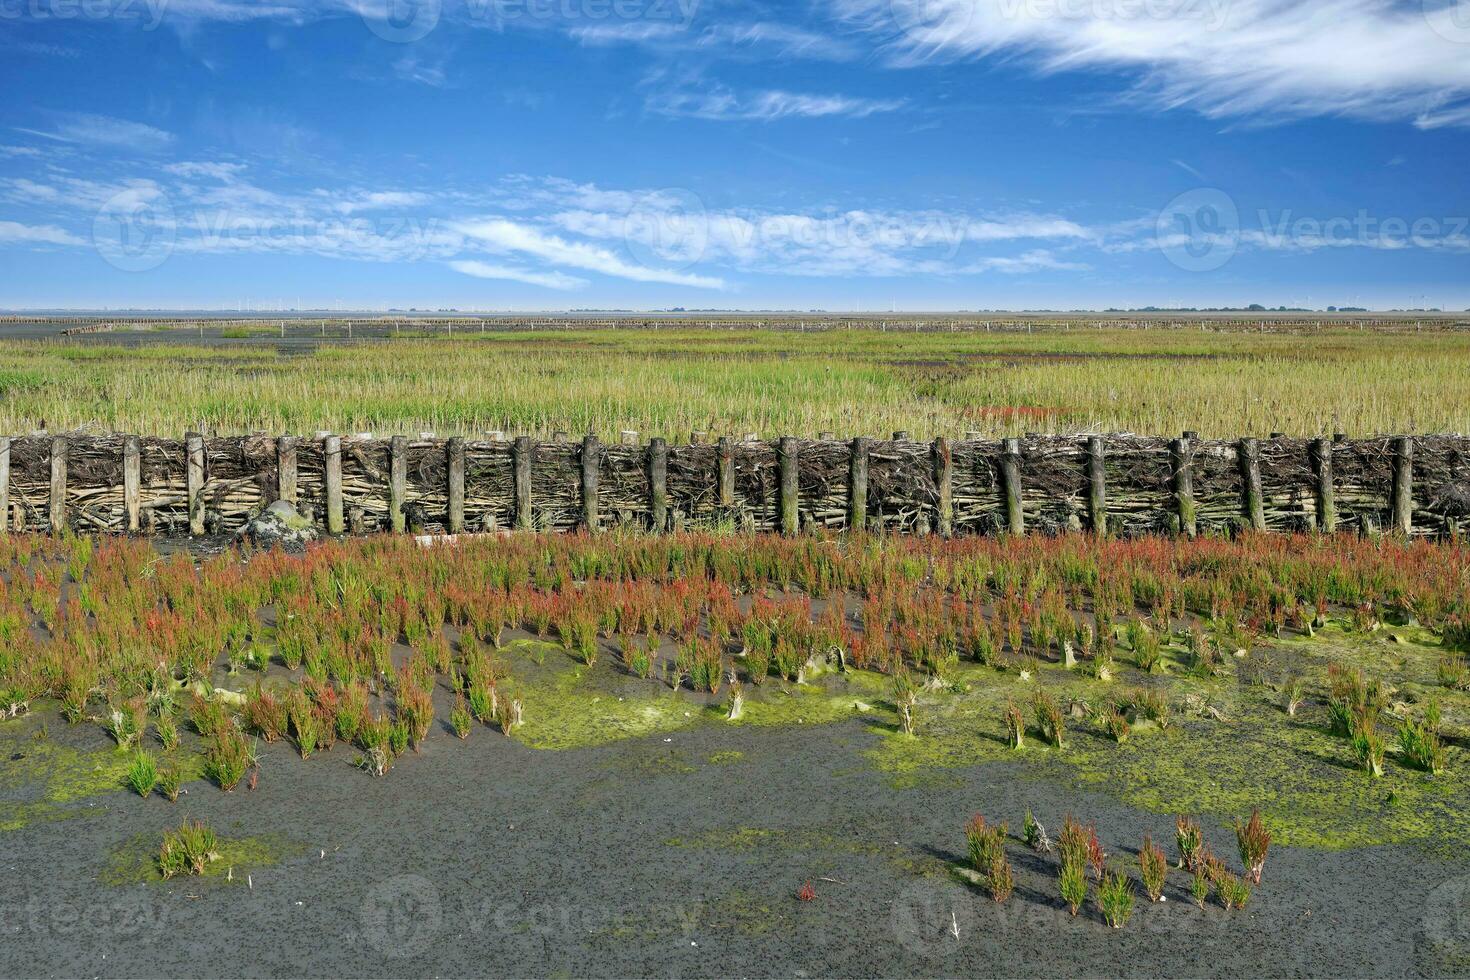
[(670, 382)]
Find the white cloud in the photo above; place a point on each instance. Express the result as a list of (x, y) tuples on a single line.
[(1376, 59), (485, 270), (94, 130), (500, 235), (754, 39), (15, 232), (765, 106)]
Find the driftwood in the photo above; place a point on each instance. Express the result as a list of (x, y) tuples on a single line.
[(1127, 484)]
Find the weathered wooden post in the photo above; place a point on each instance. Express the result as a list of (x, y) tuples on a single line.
[(194, 481), (658, 484), (787, 451), (4, 484), (1403, 485), (943, 460), (1320, 455), (1181, 462), (397, 482), (629, 437), (1252, 507), (591, 454), (1097, 487), (57, 515), (520, 455), (857, 484), (286, 468), (454, 451), (1010, 484), (132, 467), (725, 473), (332, 480)]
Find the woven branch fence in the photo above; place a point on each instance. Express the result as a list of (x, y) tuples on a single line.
[(1122, 485)]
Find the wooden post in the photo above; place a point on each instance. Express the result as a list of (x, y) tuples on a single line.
[(1010, 483), (397, 482), (943, 460), (1320, 454), (194, 481), (725, 474), (286, 468), (658, 484), (857, 485), (1180, 461), (58, 485), (787, 449), (591, 454), (132, 460), (520, 455), (1403, 485), (454, 449), (1097, 487), (1252, 507), (332, 478), (4, 484)]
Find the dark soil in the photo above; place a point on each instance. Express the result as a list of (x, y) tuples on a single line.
[(671, 855)]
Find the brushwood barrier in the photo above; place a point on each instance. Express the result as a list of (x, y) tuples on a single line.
[(1114, 484)]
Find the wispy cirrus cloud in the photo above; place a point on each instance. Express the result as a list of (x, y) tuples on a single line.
[(764, 106), (487, 270), (91, 129), (750, 39), (1374, 59), (504, 236)]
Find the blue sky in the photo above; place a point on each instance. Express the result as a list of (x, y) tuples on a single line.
[(838, 154)]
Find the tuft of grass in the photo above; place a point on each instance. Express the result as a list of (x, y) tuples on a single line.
[(1115, 898), (1253, 840), (987, 847), (142, 772), (1015, 726), (1048, 715), (187, 849), (1190, 840), (170, 781), (1153, 868), (460, 717), (1421, 746), (1072, 882), (905, 699), (226, 758)]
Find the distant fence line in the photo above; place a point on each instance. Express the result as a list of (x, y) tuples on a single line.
[(1116, 484)]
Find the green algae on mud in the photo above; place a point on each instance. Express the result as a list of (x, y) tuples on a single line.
[(1304, 781), (43, 778), (571, 707), (1236, 751), (135, 861)]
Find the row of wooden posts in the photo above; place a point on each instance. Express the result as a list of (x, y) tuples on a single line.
[(787, 453)]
